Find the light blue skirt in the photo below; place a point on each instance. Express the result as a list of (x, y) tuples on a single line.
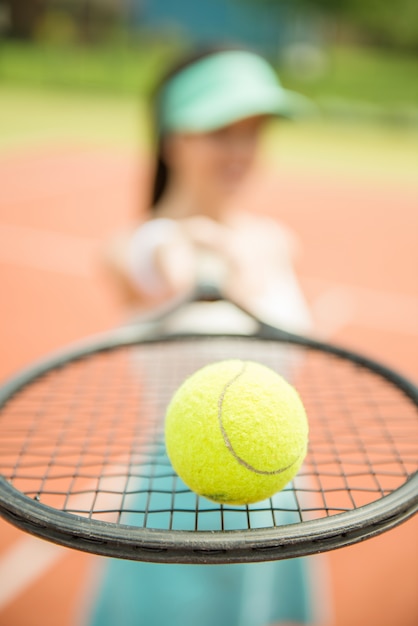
[(253, 594)]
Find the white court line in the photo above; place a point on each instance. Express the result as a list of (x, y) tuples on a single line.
[(28, 558), (23, 563), (48, 250), (337, 306), (340, 305)]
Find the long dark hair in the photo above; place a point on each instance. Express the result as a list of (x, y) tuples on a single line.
[(161, 169)]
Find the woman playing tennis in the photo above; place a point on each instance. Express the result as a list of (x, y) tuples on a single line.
[(210, 115)]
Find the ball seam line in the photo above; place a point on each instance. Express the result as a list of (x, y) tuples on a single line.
[(227, 440)]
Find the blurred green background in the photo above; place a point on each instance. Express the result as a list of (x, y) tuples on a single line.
[(86, 65), (81, 70)]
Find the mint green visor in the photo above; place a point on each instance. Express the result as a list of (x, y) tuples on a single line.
[(224, 88)]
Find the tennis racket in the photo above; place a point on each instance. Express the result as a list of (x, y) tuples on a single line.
[(83, 461)]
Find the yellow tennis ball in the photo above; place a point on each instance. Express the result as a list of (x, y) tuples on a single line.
[(236, 432)]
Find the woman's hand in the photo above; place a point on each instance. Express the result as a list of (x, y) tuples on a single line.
[(244, 256)]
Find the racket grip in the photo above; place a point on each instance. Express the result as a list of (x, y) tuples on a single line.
[(206, 291), (210, 276)]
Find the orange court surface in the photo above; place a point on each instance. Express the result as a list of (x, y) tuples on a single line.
[(61, 201)]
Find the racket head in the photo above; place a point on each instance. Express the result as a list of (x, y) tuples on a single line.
[(84, 463)]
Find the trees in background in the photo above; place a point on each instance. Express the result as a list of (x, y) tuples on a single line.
[(380, 22), (22, 17), (83, 20)]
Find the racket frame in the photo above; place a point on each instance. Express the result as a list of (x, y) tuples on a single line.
[(178, 546)]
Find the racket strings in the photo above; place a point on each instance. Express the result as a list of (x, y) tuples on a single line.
[(87, 438), (332, 426), (398, 442), (358, 444)]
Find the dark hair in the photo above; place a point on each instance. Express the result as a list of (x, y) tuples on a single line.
[(161, 170)]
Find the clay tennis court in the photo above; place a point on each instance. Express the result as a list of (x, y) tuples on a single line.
[(59, 203)]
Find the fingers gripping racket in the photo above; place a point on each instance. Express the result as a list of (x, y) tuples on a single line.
[(83, 461)]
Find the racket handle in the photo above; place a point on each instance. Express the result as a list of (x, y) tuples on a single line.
[(206, 291), (211, 274)]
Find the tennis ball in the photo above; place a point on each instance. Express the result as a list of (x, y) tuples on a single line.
[(236, 432)]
